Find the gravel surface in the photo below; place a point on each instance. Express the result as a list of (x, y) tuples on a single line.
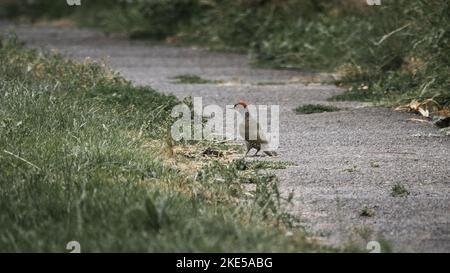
[(345, 161)]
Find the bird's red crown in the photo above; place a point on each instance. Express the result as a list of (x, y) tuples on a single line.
[(241, 102)]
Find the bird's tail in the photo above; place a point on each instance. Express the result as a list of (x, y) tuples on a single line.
[(271, 153)]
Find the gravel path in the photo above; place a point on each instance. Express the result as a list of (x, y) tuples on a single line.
[(346, 160)]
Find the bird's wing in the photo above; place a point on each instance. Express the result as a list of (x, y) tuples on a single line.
[(248, 128), (261, 136)]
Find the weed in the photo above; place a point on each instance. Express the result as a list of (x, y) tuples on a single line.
[(374, 164), (367, 212), (398, 190)]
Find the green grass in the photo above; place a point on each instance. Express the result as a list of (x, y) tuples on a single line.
[(82, 158), (315, 108), (367, 212), (357, 94), (261, 164), (193, 79), (350, 169), (399, 51), (399, 190)]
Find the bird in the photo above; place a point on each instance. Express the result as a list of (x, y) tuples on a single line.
[(253, 140)]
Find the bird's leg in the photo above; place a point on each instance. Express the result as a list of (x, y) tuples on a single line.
[(248, 150)]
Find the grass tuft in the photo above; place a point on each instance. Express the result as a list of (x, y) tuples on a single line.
[(315, 108), (398, 51), (399, 190), (193, 79)]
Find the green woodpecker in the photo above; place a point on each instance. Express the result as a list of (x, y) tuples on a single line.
[(250, 131)]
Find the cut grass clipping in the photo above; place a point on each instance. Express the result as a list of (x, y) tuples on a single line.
[(315, 108), (80, 159), (193, 79)]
